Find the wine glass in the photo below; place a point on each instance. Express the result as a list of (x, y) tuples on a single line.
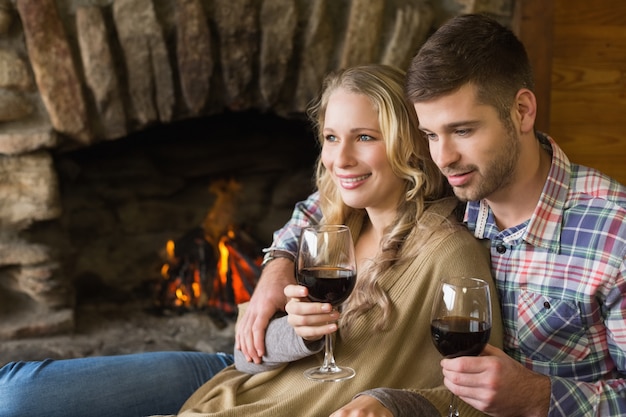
[(460, 323), (326, 265)]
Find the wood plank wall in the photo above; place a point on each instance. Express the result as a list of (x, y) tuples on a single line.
[(588, 85)]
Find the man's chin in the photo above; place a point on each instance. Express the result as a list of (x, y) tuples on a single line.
[(464, 194)]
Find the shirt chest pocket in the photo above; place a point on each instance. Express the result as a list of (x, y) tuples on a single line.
[(550, 329)]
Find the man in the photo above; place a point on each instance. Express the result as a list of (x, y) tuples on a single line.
[(557, 233)]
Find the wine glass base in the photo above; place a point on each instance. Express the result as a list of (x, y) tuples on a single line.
[(329, 374)]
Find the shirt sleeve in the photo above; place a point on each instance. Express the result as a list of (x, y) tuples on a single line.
[(282, 345), (306, 213), (574, 398)]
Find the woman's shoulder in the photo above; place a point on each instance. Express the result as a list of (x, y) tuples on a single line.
[(457, 235), (458, 248)]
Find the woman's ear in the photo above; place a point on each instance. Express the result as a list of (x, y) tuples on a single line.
[(526, 109)]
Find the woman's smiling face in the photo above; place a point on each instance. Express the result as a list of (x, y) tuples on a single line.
[(354, 152)]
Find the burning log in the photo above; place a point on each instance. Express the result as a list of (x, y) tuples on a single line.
[(209, 266)]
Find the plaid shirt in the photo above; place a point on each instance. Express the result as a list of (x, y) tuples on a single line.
[(561, 281), (306, 213), (561, 278)]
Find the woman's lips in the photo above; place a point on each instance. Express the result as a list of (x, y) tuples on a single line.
[(350, 182)]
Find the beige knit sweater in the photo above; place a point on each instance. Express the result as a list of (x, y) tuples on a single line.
[(403, 356)]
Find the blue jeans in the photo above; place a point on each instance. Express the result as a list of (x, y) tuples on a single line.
[(121, 386)]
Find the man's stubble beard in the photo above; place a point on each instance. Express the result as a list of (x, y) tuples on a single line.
[(497, 174)]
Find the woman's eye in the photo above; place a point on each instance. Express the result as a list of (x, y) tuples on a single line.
[(330, 138), (365, 138), (430, 136)]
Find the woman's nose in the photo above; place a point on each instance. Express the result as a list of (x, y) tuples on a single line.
[(345, 154)]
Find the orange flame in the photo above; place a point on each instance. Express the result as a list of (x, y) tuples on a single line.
[(222, 264), (187, 288)]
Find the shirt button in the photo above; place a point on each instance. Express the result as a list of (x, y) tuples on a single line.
[(500, 248)]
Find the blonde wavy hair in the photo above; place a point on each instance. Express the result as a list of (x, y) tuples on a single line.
[(407, 153)]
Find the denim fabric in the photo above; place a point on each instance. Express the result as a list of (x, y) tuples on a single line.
[(121, 386)]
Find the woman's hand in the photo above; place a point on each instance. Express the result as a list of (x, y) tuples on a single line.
[(310, 320), (363, 406)]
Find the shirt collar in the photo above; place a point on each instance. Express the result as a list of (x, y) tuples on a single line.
[(544, 227)]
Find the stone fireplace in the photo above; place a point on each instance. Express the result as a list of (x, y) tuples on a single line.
[(117, 115)]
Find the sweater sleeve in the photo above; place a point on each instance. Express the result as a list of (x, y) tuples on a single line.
[(282, 345), (402, 403)]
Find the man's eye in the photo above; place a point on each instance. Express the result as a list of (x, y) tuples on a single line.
[(463, 132), (430, 136)]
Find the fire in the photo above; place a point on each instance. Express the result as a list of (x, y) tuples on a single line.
[(192, 283), (207, 267), (222, 265), (181, 293)]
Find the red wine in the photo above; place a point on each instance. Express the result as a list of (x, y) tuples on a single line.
[(328, 285), (459, 336)]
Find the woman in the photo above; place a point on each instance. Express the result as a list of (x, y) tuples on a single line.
[(375, 175)]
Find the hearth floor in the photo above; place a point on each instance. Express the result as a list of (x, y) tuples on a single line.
[(107, 328)]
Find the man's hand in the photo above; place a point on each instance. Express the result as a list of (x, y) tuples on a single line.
[(363, 406), (497, 385), (268, 299)]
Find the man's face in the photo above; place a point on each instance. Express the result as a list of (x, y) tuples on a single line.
[(470, 144)]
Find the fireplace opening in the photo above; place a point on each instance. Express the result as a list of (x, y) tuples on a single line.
[(213, 267), (124, 200)]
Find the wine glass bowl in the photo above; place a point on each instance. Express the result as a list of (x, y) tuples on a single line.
[(460, 336), (326, 265), (327, 284), (460, 322)]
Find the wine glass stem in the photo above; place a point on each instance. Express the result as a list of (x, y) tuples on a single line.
[(329, 357), (454, 410)]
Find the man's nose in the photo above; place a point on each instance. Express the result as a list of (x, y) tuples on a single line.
[(444, 152)]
